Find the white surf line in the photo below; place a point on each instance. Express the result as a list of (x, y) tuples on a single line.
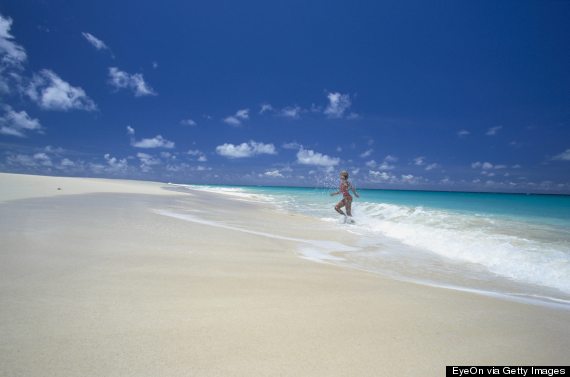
[(308, 253), (318, 256)]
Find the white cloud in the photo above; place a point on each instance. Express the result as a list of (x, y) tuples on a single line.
[(197, 153), (232, 121), (188, 122), (564, 156), (43, 159), (463, 133), (244, 150), (115, 165), (390, 158), (292, 145), (293, 112), (11, 53), (243, 114), (371, 164), (156, 142), (236, 119), (432, 166), (386, 166), (338, 104), (366, 153), (482, 165), (493, 130), (310, 157), (273, 173), (382, 176), (20, 160), (419, 161), (66, 163), (265, 107), (135, 82), (50, 92), (147, 161), (17, 123), (94, 41), (409, 178)]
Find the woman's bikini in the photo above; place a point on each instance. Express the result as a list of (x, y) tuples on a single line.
[(344, 187)]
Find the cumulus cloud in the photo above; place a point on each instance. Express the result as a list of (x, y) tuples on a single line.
[(482, 165), (94, 41), (385, 177), (236, 119), (419, 161), (366, 153), (50, 92), (188, 122), (115, 165), (382, 175), (293, 112), (273, 173), (432, 166), (30, 161), (156, 142), (244, 150), (493, 131), (564, 156), (292, 145), (265, 107), (17, 123), (310, 157), (135, 82), (386, 164), (338, 105), (147, 161), (199, 154), (11, 53)]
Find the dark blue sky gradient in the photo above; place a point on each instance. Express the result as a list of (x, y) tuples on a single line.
[(416, 73)]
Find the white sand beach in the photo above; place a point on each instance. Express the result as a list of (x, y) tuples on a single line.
[(95, 280)]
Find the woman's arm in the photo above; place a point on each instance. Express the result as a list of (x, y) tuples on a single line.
[(354, 191), (335, 193)]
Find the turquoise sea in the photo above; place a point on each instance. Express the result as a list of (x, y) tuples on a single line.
[(511, 245)]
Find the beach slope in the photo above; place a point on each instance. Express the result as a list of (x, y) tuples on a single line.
[(126, 278)]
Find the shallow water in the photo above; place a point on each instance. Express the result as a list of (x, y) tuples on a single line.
[(509, 244)]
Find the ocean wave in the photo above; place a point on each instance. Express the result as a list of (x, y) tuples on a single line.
[(503, 247)]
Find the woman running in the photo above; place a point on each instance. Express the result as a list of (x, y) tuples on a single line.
[(344, 188)]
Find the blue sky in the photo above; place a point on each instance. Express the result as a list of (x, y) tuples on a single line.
[(403, 94)]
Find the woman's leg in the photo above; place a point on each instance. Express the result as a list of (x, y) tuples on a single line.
[(338, 207), (348, 204)]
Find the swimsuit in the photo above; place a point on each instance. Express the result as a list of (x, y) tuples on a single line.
[(344, 187)]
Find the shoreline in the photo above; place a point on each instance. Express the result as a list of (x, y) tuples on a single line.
[(99, 284), (336, 257)]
